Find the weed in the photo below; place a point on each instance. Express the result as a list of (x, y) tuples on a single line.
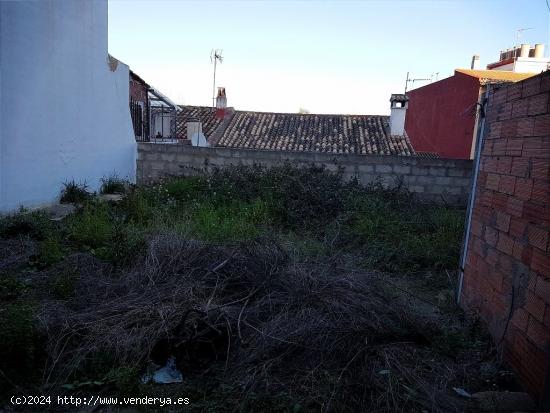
[(19, 344), (10, 288), (233, 222), (50, 252), (63, 284), (91, 227), (35, 224), (74, 192), (113, 185)]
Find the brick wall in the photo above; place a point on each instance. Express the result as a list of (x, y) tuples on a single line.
[(507, 271), (439, 180)]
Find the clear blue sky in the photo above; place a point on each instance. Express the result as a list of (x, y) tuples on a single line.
[(324, 56)]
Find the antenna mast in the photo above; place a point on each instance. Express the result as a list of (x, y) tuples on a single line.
[(215, 56)]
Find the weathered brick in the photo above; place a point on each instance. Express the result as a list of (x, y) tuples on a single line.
[(535, 305), (514, 147), (542, 125), (500, 202), (518, 228), (537, 237), (541, 191), (523, 188), (542, 289), (507, 184), (503, 221), (531, 86), (536, 213), (520, 167), (514, 206), (538, 104), (532, 147), (492, 181), (520, 318), (504, 164), (505, 243), (540, 168), (509, 128), (491, 236), (514, 92), (537, 332), (519, 108), (540, 262), (525, 127)]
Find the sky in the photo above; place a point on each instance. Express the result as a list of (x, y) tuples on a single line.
[(323, 56)]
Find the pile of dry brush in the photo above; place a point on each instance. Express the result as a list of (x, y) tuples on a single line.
[(261, 319)]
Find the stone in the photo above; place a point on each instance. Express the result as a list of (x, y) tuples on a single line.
[(59, 211), (111, 197), (494, 401)]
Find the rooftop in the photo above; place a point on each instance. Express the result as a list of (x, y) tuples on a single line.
[(492, 76), (351, 134)]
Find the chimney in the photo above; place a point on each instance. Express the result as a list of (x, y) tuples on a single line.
[(524, 50), (399, 104), (475, 62), (194, 132), (539, 51), (221, 103)]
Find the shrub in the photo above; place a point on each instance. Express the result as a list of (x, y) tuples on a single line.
[(113, 185), (233, 222), (74, 192), (91, 227), (63, 283), (50, 252), (35, 224), (10, 288)]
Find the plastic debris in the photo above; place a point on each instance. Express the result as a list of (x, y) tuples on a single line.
[(462, 392), (164, 375)]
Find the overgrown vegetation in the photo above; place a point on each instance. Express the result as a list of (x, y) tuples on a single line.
[(75, 192), (113, 185), (281, 289)]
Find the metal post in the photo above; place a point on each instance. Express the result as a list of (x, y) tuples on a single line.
[(471, 200)]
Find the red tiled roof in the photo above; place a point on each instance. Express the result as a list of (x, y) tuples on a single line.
[(352, 134), (204, 113)]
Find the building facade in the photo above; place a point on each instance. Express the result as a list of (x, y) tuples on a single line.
[(63, 101)]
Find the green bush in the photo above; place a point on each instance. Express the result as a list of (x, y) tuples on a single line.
[(63, 283), (50, 252), (91, 227), (10, 288), (74, 192), (232, 222), (19, 345), (35, 224), (113, 185)]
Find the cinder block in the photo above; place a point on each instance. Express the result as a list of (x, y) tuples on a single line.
[(420, 170), (437, 171), (443, 180), (402, 169), (365, 168), (384, 168)]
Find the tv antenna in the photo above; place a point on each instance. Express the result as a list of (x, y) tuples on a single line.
[(519, 32), (215, 57), (415, 80)]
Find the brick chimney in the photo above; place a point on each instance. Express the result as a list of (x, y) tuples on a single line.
[(221, 103), (399, 104)]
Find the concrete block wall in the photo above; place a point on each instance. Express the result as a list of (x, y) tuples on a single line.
[(507, 271), (434, 180)]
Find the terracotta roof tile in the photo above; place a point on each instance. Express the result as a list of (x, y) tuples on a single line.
[(351, 134), (488, 76)]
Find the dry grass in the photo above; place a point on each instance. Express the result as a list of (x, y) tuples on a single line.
[(262, 320)]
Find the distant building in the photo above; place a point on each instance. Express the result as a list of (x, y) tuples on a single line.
[(442, 117), (522, 59), (338, 134)]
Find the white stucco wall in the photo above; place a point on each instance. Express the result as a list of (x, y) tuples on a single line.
[(63, 110), (397, 120)]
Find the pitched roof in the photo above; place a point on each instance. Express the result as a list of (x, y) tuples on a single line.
[(491, 76), (204, 113), (354, 134)]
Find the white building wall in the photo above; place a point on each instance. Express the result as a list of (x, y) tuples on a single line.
[(63, 108), (397, 121)]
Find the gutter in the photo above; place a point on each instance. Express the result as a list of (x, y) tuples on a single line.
[(479, 146)]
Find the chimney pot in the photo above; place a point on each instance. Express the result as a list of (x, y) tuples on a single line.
[(475, 62), (399, 104)]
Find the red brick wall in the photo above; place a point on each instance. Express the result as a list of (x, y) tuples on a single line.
[(507, 271), (440, 117)]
